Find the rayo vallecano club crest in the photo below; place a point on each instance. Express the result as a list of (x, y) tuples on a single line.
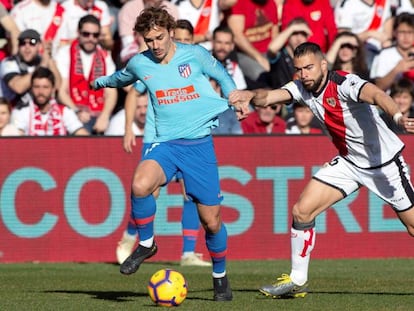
[(184, 70), (331, 101)]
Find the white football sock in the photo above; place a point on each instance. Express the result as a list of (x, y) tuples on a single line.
[(147, 243), (302, 243)]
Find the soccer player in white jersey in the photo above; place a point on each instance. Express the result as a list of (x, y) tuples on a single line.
[(369, 152)]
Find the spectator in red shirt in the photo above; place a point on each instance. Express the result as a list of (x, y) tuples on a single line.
[(265, 120), (318, 14), (254, 24)]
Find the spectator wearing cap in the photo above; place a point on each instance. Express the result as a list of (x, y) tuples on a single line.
[(16, 71), (44, 16)]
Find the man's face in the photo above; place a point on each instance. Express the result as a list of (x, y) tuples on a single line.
[(222, 45), (159, 42), (89, 37), (42, 91), (311, 70), (268, 114), (28, 49)]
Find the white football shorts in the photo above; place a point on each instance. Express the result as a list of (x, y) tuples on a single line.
[(390, 182)]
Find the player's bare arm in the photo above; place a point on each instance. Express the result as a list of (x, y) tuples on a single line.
[(371, 94), (264, 98)]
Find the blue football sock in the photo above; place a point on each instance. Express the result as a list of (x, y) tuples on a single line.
[(190, 225), (131, 227), (143, 213), (217, 247)]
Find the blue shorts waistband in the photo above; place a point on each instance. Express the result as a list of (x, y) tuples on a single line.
[(195, 141)]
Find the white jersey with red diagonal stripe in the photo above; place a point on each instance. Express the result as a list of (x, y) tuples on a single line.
[(355, 127)]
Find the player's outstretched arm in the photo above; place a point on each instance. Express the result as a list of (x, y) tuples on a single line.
[(264, 97), (374, 95), (118, 79)]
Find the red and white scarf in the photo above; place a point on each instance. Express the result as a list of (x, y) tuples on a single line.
[(378, 14), (80, 91), (203, 22), (51, 126), (51, 31)]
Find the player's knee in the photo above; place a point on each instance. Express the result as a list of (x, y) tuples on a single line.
[(300, 214), (211, 226), (140, 189)]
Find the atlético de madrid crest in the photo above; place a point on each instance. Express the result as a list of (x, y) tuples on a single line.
[(184, 70)]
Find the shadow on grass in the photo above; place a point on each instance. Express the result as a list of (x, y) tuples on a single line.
[(124, 296), (120, 296)]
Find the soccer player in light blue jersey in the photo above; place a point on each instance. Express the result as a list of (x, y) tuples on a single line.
[(185, 109), (190, 222)]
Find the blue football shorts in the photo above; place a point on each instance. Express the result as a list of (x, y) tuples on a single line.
[(196, 160), (146, 147)]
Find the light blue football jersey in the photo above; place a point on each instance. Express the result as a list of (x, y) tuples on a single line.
[(185, 105)]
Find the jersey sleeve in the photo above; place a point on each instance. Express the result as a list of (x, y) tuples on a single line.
[(351, 88), (139, 87), (215, 70), (295, 90), (120, 78)]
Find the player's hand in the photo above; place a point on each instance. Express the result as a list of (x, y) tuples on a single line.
[(407, 124), (129, 141), (241, 102)]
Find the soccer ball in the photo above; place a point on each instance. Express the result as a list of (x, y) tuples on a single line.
[(167, 288)]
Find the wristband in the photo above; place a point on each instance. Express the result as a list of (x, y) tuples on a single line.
[(396, 117)]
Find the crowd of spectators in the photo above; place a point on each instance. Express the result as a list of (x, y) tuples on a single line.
[(79, 40)]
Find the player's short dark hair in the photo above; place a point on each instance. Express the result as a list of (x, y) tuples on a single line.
[(184, 24), (152, 17), (308, 48), (43, 72), (89, 19)]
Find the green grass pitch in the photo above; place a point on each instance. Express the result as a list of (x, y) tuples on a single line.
[(386, 284)]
